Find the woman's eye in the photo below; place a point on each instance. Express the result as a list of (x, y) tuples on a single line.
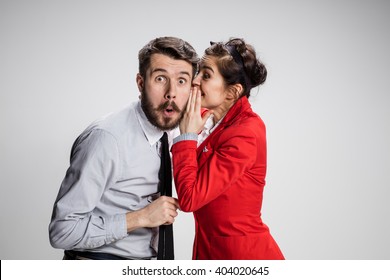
[(205, 76)]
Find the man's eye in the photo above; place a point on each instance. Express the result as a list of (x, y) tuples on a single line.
[(160, 79), (182, 81)]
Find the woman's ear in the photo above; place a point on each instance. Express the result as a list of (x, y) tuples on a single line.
[(235, 91)]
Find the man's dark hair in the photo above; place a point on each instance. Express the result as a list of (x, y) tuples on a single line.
[(171, 46)]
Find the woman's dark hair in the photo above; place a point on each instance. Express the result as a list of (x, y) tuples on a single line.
[(238, 64), (171, 46)]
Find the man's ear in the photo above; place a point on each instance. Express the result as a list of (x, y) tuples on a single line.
[(140, 82), (235, 91)]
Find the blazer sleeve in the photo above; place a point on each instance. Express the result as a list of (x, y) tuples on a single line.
[(197, 185)]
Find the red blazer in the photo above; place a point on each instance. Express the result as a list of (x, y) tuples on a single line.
[(222, 182)]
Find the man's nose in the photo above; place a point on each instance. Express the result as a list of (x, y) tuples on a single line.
[(170, 92)]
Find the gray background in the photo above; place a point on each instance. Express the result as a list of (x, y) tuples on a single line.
[(325, 103)]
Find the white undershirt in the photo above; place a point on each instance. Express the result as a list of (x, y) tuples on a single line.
[(208, 128)]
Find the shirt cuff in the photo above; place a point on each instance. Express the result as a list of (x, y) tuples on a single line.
[(116, 228), (186, 136)]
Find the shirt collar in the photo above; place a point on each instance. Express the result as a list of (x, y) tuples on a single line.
[(209, 124), (152, 133)]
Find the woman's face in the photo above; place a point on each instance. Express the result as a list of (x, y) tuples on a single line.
[(211, 84)]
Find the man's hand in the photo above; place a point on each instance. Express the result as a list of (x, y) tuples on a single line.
[(162, 211)]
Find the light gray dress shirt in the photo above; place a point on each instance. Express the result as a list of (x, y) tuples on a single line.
[(113, 170)]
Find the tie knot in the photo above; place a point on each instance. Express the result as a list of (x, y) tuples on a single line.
[(165, 173), (164, 138)]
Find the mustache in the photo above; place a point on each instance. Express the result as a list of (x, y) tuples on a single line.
[(166, 104)]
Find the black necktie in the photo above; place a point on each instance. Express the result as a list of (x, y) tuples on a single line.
[(165, 240)]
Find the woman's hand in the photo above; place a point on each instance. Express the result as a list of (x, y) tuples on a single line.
[(193, 121)]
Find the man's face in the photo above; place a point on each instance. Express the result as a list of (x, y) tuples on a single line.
[(165, 90)]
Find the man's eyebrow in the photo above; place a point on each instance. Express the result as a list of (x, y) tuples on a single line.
[(158, 70), (165, 71), (185, 73)]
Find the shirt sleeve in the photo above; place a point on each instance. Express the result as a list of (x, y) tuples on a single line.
[(198, 185), (93, 168), (185, 137)]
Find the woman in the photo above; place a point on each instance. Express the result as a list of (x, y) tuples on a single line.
[(220, 173)]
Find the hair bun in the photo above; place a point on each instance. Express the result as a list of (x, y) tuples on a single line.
[(255, 70), (238, 63)]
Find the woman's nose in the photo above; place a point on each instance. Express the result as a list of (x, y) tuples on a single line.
[(196, 80)]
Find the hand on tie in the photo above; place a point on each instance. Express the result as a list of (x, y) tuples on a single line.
[(162, 211)]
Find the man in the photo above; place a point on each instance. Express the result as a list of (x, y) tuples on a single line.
[(109, 205)]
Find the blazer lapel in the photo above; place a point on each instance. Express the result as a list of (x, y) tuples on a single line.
[(205, 150)]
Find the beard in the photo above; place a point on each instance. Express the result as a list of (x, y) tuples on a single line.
[(155, 118)]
